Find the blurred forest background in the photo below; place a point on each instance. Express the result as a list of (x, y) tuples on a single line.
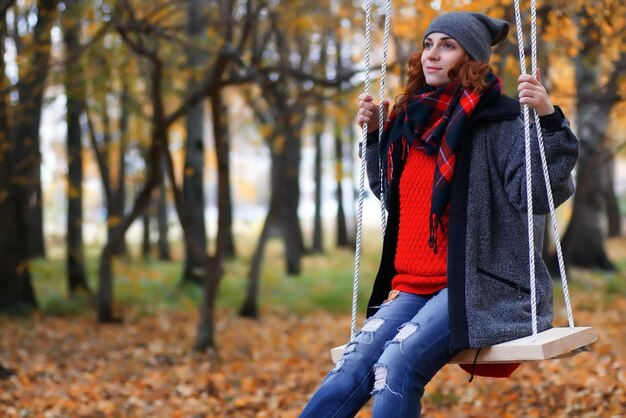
[(169, 168)]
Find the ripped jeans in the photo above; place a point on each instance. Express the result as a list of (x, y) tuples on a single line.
[(393, 357)]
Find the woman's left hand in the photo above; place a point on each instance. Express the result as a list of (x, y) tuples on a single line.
[(532, 93)]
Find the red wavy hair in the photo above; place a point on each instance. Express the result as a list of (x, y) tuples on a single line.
[(471, 74)]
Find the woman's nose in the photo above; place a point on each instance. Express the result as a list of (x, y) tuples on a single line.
[(432, 54)]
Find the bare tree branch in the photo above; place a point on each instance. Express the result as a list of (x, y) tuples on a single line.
[(212, 80), (102, 166)]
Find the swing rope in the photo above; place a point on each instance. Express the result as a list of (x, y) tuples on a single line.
[(381, 96), (529, 184), (362, 146), (546, 175), (531, 246)]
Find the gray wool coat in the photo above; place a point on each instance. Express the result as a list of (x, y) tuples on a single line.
[(488, 267)]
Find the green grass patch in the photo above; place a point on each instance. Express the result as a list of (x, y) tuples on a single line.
[(325, 283), (149, 286), (61, 305)]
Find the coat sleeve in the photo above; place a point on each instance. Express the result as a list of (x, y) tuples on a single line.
[(561, 150), (372, 160)]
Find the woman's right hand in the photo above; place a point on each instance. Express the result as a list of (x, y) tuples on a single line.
[(368, 112)]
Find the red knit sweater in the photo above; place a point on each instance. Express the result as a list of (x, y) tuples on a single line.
[(419, 270)]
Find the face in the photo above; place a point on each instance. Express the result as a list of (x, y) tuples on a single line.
[(441, 53)]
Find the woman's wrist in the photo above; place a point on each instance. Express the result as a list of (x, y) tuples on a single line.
[(546, 110)]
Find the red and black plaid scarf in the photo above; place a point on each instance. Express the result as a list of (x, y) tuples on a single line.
[(435, 120)]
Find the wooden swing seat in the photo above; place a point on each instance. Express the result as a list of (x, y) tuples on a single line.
[(550, 344)]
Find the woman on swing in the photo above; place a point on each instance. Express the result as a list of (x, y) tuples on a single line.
[(454, 266)]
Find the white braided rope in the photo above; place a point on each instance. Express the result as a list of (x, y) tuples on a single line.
[(362, 146), (381, 121), (546, 175), (529, 195)]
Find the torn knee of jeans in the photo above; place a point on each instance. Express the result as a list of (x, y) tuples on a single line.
[(404, 332), (369, 328), (380, 380)]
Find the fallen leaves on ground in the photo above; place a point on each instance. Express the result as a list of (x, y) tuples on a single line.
[(75, 367)]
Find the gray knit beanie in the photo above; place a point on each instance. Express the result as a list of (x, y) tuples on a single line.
[(476, 32)]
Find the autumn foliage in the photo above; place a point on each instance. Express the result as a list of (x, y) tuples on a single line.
[(268, 368)]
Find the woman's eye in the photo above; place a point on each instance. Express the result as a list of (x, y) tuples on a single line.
[(449, 46)]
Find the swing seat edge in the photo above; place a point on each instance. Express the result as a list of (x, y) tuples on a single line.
[(550, 344), (337, 352)]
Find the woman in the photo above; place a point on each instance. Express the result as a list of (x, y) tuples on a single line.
[(454, 267)]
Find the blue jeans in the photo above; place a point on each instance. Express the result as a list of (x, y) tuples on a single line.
[(392, 357)]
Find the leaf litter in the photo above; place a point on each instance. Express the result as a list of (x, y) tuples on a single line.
[(75, 367)]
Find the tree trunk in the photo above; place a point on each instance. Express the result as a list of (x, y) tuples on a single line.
[(583, 243), (193, 192), (117, 190), (105, 271), (31, 121), (292, 232), (614, 217), (36, 244), (279, 219), (30, 129), (75, 93), (275, 222), (145, 241), (164, 245), (193, 180), (16, 291), (158, 145), (224, 202), (318, 240), (342, 228), (286, 179), (125, 107), (282, 216), (115, 214), (18, 176), (206, 326), (77, 279), (9, 261), (250, 307), (211, 266)]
